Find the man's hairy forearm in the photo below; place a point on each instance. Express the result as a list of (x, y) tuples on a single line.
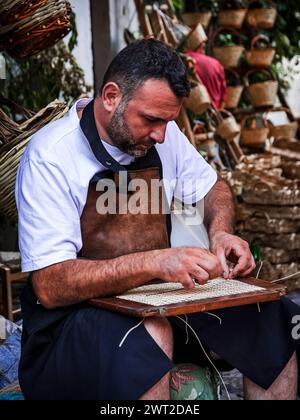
[(76, 281), (220, 209)]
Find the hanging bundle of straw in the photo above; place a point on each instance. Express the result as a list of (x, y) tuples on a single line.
[(30, 26), (11, 153)]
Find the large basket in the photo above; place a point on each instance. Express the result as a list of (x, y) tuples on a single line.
[(29, 29), (262, 18), (262, 94), (192, 19), (234, 93), (199, 100), (260, 57), (232, 18), (288, 130), (229, 56), (12, 151), (254, 132)]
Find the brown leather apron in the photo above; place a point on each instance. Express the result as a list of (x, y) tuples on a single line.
[(107, 234)]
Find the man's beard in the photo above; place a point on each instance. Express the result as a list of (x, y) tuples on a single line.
[(119, 133)]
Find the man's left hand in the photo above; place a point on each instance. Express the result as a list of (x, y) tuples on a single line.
[(224, 246)]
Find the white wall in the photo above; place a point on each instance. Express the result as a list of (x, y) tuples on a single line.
[(122, 15), (293, 97), (83, 51)]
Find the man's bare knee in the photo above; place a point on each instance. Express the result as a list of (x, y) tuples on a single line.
[(161, 331)]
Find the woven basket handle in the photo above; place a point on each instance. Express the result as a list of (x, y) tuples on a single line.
[(265, 71), (254, 118), (262, 184), (258, 38), (235, 74), (227, 31)]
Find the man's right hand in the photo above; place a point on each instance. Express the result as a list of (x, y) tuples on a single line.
[(186, 265)]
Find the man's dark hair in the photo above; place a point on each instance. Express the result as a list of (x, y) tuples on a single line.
[(144, 60)]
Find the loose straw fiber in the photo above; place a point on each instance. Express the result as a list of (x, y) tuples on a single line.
[(170, 293)]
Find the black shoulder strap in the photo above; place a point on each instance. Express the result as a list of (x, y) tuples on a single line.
[(89, 128)]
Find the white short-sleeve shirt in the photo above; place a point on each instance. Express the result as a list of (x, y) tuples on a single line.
[(54, 176)]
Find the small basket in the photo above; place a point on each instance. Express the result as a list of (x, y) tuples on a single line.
[(192, 19), (229, 56), (196, 37), (232, 18), (285, 130), (262, 18), (254, 132), (228, 129), (260, 57), (199, 100), (262, 94), (234, 93)]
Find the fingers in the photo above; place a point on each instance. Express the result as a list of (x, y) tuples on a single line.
[(245, 265), (223, 260), (199, 275)]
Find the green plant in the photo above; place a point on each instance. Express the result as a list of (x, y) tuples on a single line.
[(227, 40)]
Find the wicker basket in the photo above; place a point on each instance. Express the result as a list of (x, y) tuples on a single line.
[(192, 19), (229, 56), (260, 57), (199, 100), (254, 132), (234, 93), (262, 18), (262, 94), (228, 129), (232, 18), (30, 28), (11, 153), (196, 37), (288, 130)]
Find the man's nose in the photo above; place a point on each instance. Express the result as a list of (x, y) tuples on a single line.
[(158, 134)]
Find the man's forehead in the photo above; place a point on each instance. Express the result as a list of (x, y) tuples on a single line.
[(152, 85)]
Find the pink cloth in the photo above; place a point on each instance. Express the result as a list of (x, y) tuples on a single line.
[(212, 75)]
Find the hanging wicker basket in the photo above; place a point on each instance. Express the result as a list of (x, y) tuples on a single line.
[(260, 57), (254, 131), (288, 130), (262, 18), (229, 56), (262, 94), (232, 18), (196, 37), (27, 28), (228, 129), (234, 93), (199, 100), (192, 19)]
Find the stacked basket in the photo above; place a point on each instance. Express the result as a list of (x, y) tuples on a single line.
[(269, 216)]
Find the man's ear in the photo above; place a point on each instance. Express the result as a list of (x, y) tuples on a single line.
[(111, 96)]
